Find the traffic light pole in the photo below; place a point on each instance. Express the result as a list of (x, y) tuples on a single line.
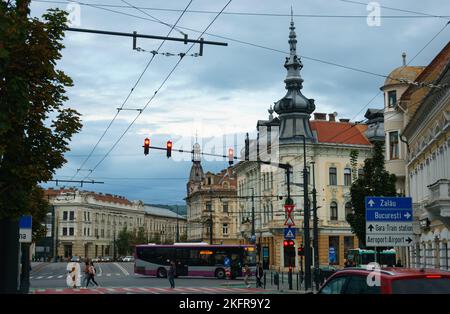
[(315, 231), (306, 220)]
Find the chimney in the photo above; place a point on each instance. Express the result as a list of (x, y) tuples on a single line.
[(332, 117), (344, 120), (320, 116)]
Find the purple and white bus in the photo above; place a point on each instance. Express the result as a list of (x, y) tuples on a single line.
[(194, 259)]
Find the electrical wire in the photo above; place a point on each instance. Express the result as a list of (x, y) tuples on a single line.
[(422, 15), (247, 43), (129, 94), (155, 93)]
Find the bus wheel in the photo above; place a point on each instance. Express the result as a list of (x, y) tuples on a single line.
[(220, 273), (161, 273)]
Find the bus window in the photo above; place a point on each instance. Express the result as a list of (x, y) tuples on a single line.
[(250, 256)]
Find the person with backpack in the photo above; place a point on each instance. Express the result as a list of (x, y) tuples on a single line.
[(91, 270)]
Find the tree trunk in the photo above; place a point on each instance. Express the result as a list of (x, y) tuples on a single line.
[(9, 262)]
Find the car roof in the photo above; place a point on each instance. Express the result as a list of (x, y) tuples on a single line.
[(396, 271)]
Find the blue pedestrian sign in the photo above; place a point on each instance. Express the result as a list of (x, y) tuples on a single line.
[(389, 221), (289, 233), (25, 222)]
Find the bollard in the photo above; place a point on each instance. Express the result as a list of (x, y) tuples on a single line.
[(264, 280), (290, 278)]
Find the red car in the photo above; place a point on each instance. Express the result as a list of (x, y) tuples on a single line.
[(387, 281)]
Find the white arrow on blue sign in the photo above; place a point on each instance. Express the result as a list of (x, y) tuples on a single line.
[(389, 221)]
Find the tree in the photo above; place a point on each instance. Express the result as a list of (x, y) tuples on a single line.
[(375, 181), (123, 241), (35, 128)]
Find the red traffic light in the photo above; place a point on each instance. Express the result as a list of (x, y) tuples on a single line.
[(291, 243), (146, 146), (285, 243), (230, 156), (169, 149)]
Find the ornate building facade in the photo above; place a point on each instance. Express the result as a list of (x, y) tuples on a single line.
[(211, 204), (87, 224), (329, 143)]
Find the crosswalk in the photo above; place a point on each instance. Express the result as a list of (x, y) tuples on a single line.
[(64, 275), (153, 290)]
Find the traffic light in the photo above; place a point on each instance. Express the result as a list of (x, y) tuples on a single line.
[(146, 146), (230, 156), (247, 148), (169, 149)]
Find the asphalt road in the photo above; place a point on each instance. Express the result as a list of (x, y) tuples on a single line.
[(111, 274)]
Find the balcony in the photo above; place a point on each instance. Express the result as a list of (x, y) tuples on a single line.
[(438, 205)]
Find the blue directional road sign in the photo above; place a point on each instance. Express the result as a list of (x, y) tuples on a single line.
[(389, 221), (289, 233)]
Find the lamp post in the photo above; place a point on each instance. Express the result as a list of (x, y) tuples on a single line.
[(253, 236), (178, 228), (315, 229), (307, 250)]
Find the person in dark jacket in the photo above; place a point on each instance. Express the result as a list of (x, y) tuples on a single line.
[(171, 274), (259, 275)]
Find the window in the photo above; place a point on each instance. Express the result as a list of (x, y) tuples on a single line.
[(209, 181), (393, 145), (89, 216), (333, 211), (72, 216), (334, 286), (96, 232), (333, 176), (225, 229), (208, 206), (225, 207), (333, 250), (347, 176), (85, 216), (349, 244), (64, 215), (84, 231), (71, 231), (102, 233), (64, 231), (392, 98), (348, 209), (358, 285)]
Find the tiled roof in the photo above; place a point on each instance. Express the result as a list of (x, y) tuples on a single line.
[(340, 132), (97, 196)]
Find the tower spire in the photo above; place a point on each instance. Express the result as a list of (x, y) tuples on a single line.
[(294, 109)]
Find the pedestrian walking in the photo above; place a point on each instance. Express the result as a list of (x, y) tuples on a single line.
[(91, 276), (86, 273), (247, 274), (259, 275), (171, 274)]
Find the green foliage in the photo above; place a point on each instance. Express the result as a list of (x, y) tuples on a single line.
[(376, 181), (354, 163), (123, 241), (35, 128)]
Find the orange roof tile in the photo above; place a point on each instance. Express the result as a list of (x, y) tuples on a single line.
[(340, 132)]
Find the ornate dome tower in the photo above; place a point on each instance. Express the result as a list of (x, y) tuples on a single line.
[(294, 109)]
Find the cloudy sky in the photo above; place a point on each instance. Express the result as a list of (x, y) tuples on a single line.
[(219, 97)]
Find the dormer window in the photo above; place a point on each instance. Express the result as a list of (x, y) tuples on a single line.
[(392, 98), (209, 180)]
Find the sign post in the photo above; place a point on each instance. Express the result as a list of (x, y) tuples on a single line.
[(389, 221), (25, 237)]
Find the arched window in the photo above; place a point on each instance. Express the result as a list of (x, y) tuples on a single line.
[(348, 209), (333, 211)]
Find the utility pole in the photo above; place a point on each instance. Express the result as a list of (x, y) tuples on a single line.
[(178, 228), (253, 236), (315, 229), (306, 221)]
